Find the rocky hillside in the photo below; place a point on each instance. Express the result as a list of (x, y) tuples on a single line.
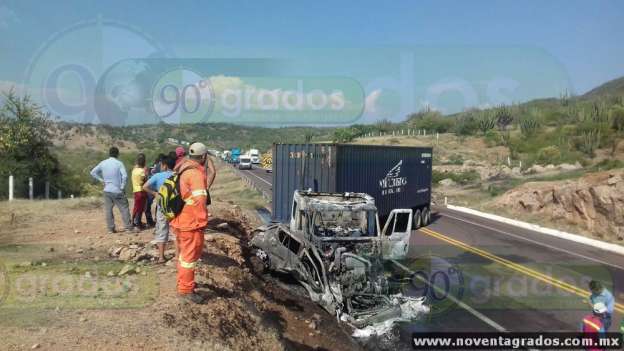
[(593, 203)]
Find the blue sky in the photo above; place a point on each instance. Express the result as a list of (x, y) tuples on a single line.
[(525, 49)]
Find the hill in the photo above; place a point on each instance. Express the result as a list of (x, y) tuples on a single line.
[(611, 88), (157, 136)]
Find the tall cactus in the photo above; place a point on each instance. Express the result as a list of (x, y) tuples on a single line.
[(590, 141)]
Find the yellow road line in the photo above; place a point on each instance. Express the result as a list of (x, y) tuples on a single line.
[(514, 266)]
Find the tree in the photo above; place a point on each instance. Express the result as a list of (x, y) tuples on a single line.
[(344, 135), (24, 142)]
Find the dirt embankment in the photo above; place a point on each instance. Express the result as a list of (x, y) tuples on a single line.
[(594, 203), (242, 311)]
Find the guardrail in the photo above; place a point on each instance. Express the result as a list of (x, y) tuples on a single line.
[(248, 182)]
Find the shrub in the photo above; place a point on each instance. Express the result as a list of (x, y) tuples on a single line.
[(529, 125), (486, 122), (492, 138), (617, 118), (549, 155), (463, 178), (466, 124)]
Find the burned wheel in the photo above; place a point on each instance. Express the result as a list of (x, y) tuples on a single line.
[(259, 261)]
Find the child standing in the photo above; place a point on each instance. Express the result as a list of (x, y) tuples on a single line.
[(162, 225)]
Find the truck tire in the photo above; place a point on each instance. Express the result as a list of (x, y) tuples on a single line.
[(417, 220), (426, 216)]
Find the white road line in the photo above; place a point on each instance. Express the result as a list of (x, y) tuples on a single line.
[(459, 303), (534, 241), (262, 179)]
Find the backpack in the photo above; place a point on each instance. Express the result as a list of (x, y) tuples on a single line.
[(171, 201)]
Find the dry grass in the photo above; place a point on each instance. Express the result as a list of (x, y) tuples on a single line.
[(229, 188)]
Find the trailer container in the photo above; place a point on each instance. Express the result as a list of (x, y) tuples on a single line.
[(395, 176)]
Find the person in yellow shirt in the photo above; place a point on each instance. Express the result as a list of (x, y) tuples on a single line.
[(140, 196)]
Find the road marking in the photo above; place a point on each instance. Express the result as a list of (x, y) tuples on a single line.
[(459, 303), (514, 266), (534, 241), (257, 176)]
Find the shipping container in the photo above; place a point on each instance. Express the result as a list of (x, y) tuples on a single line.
[(395, 176)]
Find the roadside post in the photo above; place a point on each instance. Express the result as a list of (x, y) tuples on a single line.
[(47, 190), (11, 187), (30, 188)]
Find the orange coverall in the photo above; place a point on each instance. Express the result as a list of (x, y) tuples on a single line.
[(189, 225)]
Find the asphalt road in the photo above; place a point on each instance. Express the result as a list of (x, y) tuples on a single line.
[(497, 277), (261, 178)]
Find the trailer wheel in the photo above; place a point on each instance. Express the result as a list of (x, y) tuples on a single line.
[(417, 220), (426, 216)]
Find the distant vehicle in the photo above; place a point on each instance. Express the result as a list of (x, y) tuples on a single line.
[(244, 162), (235, 155), (225, 155), (255, 156)]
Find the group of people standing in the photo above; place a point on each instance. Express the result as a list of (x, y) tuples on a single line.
[(196, 174), (144, 196)]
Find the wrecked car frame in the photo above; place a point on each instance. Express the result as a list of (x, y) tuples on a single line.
[(333, 246)]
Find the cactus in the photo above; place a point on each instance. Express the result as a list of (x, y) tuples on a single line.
[(486, 122), (590, 141), (529, 125), (503, 117)]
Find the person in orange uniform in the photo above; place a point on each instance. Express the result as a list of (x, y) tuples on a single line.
[(189, 225)]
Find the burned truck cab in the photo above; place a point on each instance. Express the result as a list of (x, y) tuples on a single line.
[(324, 216), (335, 248)]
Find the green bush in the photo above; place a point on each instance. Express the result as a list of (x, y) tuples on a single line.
[(466, 124), (549, 155), (432, 121), (492, 138), (608, 164)]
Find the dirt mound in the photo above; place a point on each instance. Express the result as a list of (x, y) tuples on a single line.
[(224, 323), (594, 203), (243, 311)]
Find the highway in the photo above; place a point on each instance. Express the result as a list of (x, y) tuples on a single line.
[(500, 277)]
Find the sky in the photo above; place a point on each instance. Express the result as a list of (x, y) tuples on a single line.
[(72, 56)]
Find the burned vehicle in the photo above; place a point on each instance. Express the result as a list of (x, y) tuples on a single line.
[(333, 246)]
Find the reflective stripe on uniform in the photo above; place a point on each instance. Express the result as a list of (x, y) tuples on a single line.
[(592, 324), (194, 193), (188, 265)]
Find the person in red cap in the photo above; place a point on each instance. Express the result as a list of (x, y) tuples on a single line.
[(180, 153), (189, 225)]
